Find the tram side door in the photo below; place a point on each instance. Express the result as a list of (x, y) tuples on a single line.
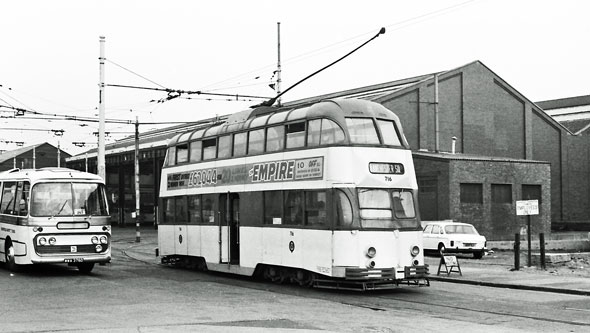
[(229, 228)]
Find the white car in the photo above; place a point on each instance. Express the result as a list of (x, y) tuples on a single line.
[(454, 237)]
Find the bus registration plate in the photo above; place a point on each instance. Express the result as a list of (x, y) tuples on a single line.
[(74, 260)]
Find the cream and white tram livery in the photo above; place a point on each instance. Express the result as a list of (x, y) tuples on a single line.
[(53, 215), (321, 195)]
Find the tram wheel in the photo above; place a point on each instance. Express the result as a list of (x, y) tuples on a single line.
[(304, 278), (9, 257), (85, 268)]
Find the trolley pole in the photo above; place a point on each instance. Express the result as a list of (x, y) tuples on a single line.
[(137, 214)]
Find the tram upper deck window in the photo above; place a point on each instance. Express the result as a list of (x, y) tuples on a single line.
[(323, 132), (389, 132), (171, 156), (196, 147), (296, 134), (209, 148), (240, 144), (362, 131), (182, 153), (256, 141), (224, 149), (275, 138)]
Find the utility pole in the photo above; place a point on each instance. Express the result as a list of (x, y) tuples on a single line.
[(34, 157), (436, 126), (137, 214), (101, 113), (279, 62)]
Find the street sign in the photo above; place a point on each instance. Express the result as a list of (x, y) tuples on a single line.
[(527, 207)]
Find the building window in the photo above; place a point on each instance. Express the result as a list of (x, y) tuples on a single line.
[(501, 193), (532, 192), (471, 193)]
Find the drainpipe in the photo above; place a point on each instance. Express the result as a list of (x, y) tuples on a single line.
[(453, 144)]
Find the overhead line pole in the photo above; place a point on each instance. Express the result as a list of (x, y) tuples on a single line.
[(101, 113), (279, 62)]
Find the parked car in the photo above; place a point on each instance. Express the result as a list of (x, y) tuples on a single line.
[(454, 237)]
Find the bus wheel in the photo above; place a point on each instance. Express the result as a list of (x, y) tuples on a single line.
[(86, 267), (304, 278), (9, 257)]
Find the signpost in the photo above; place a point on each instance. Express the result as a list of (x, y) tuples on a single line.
[(528, 207)]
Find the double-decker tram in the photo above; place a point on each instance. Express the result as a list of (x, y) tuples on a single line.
[(53, 215), (322, 195)]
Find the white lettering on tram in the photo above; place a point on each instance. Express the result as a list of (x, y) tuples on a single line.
[(202, 177), (279, 170)]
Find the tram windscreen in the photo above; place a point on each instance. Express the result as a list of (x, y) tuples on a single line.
[(387, 209), (68, 199)]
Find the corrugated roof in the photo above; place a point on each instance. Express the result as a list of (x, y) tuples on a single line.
[(8, 155), (469, 157), (564, 102)]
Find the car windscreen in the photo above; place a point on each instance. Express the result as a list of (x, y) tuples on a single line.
[(460, 229)]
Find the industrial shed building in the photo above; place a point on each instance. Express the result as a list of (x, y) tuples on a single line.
[(36, 156), (491, 142)]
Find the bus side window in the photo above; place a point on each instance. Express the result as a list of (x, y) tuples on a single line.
[(180, 210), (23, 198), (331, 133), (8, 196), (208, 209)]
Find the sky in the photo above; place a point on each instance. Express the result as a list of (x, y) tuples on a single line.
[(49, 52)]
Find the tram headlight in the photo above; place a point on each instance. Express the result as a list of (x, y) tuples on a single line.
[(98, 248), (94, 240), (103, 240), (371, 252), (52, 240), (42, 241), (415, 250)]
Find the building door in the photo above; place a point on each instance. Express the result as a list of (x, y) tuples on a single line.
[(428, 198), (229, 224)]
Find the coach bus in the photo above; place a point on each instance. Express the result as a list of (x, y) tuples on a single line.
[(322, 195), (53, 215)]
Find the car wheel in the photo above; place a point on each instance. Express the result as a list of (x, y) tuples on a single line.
[(85, 268), (478, 255), (9, 257)]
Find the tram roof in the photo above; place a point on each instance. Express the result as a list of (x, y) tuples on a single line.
[(48, 174), (337, 108)]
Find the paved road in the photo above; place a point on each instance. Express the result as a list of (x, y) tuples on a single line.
[(131, 295)]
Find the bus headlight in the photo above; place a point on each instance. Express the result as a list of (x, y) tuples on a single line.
[(103, 240), (42, 241), (94, 240), (371, 252), (52, 241), (98, 248), (415, 250)]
